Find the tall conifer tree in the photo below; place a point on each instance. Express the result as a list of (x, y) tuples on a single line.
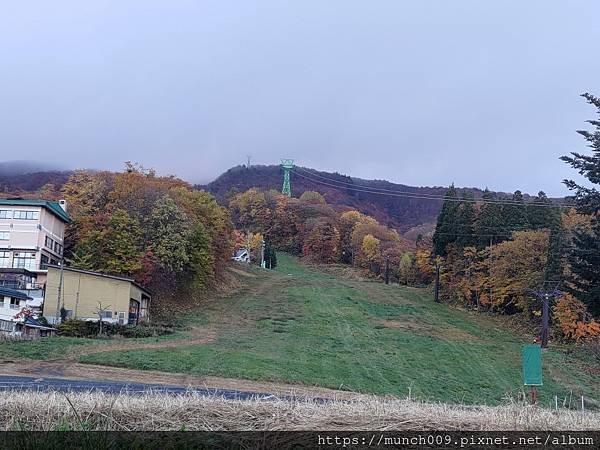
[(585, 257), (489, 227), (515, 214), (446, 229), (466, 221)]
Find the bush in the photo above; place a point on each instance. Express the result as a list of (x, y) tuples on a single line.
[(88, 329), (143, 330), (78, 328)]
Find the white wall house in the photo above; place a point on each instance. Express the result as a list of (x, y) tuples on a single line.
[(11, 303), (32, 234)]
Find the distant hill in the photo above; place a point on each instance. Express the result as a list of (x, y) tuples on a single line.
[(403, 212), (10, 168), (407, 209)]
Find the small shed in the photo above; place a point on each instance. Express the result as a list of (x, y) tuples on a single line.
[(241, 255), (33, 329)]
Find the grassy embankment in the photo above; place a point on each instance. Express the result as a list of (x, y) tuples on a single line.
[(151, 412), (302, 325)]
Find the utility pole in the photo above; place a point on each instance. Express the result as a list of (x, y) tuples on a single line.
[(545, 320), (60, 287), (77, 297), (249, 160), (387, 270), (287, 165), (436, 292), (548, 292)]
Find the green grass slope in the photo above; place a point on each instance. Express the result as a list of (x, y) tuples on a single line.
[(301, 325)]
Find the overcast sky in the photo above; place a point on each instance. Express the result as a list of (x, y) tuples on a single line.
[(480, 93)]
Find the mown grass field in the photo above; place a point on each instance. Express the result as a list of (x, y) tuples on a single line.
[(302, 325)]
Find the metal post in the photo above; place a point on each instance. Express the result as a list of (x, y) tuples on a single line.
[(533, 395)]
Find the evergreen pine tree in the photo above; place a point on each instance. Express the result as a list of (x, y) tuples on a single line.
[(447, 222), (515, 214), (584, 262), (585, 257), (540, 216), (587, 198), (489, 227), (466, 221)]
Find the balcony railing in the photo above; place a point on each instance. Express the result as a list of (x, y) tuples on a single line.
[(20, 285)]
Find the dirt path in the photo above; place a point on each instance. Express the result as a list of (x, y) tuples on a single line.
[(197, 336)]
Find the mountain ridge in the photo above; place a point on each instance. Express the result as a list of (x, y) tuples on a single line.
[(400, 206), (397, 205)]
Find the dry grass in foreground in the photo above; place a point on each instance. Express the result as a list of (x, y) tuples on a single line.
[(97, 411)]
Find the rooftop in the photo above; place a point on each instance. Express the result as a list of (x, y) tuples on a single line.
[(53, 206), (98, 274), (6, 292)]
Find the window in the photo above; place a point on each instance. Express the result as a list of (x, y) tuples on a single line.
[(107, 314), (4, 235), (49, 243), (44, 260), (26, 215), (15, 303), (58, 248), (4, 259), (5, 213), (24, 260)]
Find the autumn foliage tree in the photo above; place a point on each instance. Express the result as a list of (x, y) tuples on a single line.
[(156, 229), (309, 227)]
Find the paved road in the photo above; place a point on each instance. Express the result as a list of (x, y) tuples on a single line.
[(21, 383)]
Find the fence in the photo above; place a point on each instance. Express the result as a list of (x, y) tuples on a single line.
[(4, 337)]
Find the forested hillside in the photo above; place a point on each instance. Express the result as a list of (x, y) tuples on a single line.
[(395, 205), (46, 183), (158, 230)]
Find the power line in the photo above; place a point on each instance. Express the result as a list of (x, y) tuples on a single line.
[(369, 190), (435, 196)]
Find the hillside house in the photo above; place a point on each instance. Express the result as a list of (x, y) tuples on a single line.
[(83, 293), (12, 302), (25, 282), (242, 256)]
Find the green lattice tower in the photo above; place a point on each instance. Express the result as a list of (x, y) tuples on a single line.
[(287, 165)]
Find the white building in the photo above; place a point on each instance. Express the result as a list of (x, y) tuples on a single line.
[(32, 235)]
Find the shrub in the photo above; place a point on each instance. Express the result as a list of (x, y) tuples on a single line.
[(574, 320), (82, 328)]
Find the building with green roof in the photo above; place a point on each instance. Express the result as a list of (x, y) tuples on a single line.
[(32, 234)]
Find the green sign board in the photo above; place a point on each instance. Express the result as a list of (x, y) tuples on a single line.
[(532, 365)]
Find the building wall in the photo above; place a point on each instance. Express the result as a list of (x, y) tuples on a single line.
[(28, 236), (6, 312), (114, 295)]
